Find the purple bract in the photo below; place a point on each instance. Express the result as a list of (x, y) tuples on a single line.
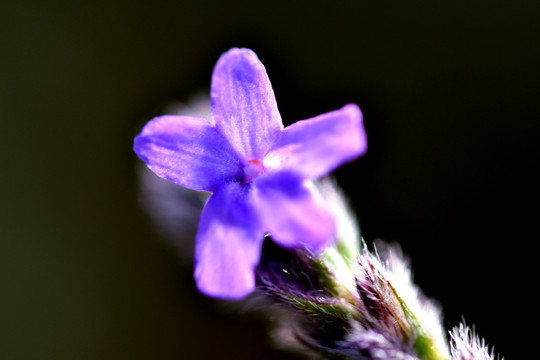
[(258, 172)]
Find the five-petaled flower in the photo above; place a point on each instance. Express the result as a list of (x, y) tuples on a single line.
[(258, 172)]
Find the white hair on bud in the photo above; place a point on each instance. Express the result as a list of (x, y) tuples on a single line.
[(466, 345), (397, 270)]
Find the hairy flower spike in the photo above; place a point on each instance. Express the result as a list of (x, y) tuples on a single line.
[(258, 172), (466, 345), (383, 316)]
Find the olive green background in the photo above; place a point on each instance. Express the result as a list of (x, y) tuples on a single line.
[(449, 91)]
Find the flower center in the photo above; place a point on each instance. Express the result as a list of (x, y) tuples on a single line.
[(252, 169)]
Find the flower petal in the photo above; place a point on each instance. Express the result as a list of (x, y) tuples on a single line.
[(228, 244), (292, 211), (243, 103), (316, 146), (188, 151)]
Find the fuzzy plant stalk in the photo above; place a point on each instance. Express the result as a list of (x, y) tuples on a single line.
[(270, 229), (348, 302)]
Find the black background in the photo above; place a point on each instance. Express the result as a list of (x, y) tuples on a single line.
[(449, 92)]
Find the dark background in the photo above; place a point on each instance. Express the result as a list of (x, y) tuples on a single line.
[(449, 91)]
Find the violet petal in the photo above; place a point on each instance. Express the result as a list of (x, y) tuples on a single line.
[(243, 103), (292, 211), (316, 146), (228, 244), (188, 151)]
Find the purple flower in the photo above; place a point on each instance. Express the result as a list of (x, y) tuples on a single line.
[(258, 172)]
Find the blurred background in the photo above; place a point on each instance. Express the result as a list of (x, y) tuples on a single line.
[(449, 91)]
